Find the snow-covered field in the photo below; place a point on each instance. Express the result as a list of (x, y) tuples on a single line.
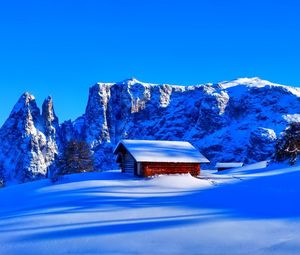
[(255, 211)]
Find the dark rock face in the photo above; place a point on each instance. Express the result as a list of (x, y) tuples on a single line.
[(50, 121), (95, 129), (229, 121), (262, 142)]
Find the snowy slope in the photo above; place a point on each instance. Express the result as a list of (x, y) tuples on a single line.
[(235, 121), (114, 213)]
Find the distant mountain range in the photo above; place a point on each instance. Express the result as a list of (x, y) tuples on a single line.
[(238, 120)]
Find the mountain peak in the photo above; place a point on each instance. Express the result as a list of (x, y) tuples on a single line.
[(49, 117), (243, 80), (131, 81), (254, 81), (48, 99), (25, 100), (27, 97), (47, 106)]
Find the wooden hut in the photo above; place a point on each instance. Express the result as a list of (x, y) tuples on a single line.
[(148, 157), (228, 165)]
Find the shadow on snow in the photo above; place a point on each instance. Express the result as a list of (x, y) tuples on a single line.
[(267, 197)]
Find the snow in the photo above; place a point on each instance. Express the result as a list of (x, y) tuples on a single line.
[(255, 81), (162, 151), (115, 213), (292, 118), (247, 169), (229, 164), (258, 83)]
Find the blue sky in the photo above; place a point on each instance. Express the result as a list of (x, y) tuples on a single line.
[(61, 48)]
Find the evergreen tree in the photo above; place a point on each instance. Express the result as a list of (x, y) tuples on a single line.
[(76, 158), (288, 146)]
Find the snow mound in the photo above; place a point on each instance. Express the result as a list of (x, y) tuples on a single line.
[(181, 181)]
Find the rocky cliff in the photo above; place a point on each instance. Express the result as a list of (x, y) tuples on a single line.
[(28, 141), (228, 121)]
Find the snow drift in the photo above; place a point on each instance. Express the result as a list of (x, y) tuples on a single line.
[(115, 213)]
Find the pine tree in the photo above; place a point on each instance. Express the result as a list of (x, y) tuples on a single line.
[(288, 146), (76, 158)]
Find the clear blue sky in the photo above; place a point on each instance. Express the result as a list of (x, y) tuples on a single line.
[(63, 47)]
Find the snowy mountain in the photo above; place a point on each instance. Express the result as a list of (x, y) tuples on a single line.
[(238, 120), (28, 140)]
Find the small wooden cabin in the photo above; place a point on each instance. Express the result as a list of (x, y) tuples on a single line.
[(228, 165), (147, 157)]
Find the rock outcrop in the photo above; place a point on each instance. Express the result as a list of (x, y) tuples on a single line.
[(28, 142)]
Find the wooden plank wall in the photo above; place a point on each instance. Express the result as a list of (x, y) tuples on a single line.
[(129, 163), (153, 168)]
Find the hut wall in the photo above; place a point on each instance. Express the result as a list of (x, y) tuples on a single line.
[(153, 168), (129, 163)]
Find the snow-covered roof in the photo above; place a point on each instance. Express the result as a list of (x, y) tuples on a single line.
[(162, 151), (229, 164)]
